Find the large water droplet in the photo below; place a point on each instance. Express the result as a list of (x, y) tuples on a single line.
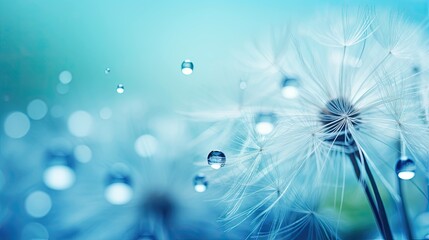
[(406, 169), (200, 183), (216, 159)]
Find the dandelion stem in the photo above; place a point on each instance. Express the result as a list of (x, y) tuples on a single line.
[(403, 210), (382, 210), (377, 208)]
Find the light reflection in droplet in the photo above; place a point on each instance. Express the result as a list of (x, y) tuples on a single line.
[(59, 177), (118, 193), (120, 88)]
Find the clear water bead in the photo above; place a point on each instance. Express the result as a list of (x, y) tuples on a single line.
[(216, 159), (290, 88), (107, 71), (187, 67), (264, 123), (120, 88), (406, 169), (200, 183)]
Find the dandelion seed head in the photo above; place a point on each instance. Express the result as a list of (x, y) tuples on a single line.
[(337, 117)]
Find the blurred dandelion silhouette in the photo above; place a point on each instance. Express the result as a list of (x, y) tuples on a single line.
[(326, 102)]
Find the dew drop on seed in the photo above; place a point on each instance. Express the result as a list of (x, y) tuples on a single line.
[(216, 159), (120, 88), (187, 67)]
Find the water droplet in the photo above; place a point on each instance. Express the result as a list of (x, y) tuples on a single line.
[(200, 183), (406, 169), (120, 88), (107, 71), (187, 67), (59, 177), (216, 159), (264, 123), (59, 174), (118, 190), (290, 88)]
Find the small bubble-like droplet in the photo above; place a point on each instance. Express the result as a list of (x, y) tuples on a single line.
[(264, 123), (120, 88), (119, 190), (290, 88), (107, 70), (200, 183), (216, 159), (187, 67)]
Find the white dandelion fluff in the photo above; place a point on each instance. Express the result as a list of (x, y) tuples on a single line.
[(359, 95)]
